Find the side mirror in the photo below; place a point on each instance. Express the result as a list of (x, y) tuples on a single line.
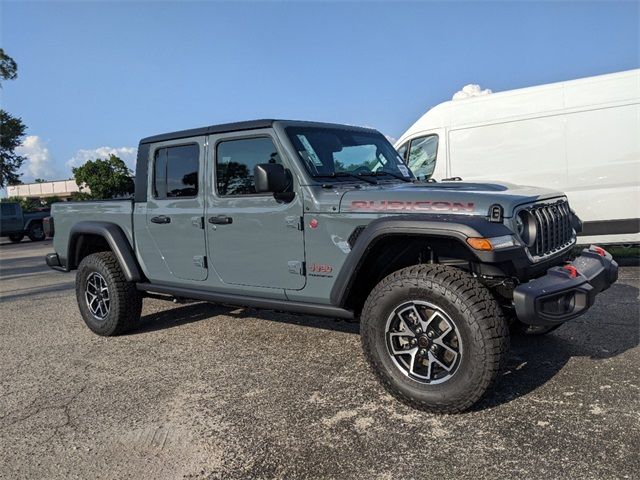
[(270, 177)]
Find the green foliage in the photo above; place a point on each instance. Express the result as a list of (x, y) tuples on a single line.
[(80, 196), (11, 130), (52, 199), (27, 204), (8, 66), (40, 180), (11, 133), (106, 178)]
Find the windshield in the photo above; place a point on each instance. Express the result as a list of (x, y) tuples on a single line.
[(347, 154)]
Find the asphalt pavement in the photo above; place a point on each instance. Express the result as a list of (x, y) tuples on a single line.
[(205, 392)]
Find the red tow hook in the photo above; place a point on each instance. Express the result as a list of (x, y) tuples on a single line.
[(573, 272), (599, 250)]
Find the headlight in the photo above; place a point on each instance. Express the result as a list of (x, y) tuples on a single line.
[(526, 227)]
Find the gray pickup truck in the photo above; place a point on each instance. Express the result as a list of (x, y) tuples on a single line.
[(325, 219), (15, 224)]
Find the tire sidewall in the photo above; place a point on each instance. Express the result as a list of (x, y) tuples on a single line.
[(36, 233), (109, 324), (470, 370)]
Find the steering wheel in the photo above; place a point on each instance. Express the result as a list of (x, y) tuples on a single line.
[(361, 169)]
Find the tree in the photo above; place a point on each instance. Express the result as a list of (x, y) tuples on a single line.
[(11, 133), (8, 66), (106, 178), (11, 130), (40, 180)]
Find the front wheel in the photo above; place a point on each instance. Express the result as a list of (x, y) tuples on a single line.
[(109, 304), (435, 337), (16, 237)]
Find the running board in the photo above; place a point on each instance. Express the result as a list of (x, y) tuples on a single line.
[(243, 301)]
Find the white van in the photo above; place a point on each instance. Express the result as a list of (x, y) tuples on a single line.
[(581, 137)]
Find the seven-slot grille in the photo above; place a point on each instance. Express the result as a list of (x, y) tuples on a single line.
[(554, 228)]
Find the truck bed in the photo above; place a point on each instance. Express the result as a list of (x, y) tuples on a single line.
[(67, 214)]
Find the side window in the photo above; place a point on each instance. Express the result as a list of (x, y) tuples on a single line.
[(7, 209), (235, 160), (422, 155), (402, 151), (175, 171)]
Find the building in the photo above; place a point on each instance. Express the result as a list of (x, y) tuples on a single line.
[(59, 188)]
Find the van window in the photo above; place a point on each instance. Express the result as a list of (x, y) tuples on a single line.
[(422, 155), (176, 171), (235, 160), (402, 151)]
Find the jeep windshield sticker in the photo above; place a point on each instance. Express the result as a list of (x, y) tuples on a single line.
[(403, 170), (419, 206), (309, 152)]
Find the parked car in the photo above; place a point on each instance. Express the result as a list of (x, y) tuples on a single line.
[(581, 137), (15, 224), (326, 219)]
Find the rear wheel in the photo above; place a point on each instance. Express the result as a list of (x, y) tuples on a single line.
[(435, 337), (36, 232), (109, 304), (16, 238)]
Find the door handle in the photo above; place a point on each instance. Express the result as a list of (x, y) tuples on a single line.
[(161, 219), (220, 220)]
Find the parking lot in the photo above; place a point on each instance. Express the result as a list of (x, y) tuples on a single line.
[(204, 391)]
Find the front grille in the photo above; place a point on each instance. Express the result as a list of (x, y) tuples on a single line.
[(554, 228)]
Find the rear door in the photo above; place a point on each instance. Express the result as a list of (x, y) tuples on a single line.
[(175, 207), (10, 218)]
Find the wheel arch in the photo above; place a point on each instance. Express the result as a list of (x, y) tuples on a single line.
[(89, 237), (390, 243)]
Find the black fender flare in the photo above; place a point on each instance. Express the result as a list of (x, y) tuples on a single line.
[(31, 221), (459, 227), (117, 240)]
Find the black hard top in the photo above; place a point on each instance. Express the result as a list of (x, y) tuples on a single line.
[(236, 126)]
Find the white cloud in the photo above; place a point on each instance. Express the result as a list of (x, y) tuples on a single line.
[(128, 154), (471, 90), (38, 163)]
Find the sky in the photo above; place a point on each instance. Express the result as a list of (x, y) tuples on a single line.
[(95, 77)]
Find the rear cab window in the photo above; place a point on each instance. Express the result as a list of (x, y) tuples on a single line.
[(175, 171)]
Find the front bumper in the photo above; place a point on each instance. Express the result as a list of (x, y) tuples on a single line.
[(565, 292)]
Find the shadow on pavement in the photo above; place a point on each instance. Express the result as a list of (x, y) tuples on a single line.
[(201, 311), (533, 360)]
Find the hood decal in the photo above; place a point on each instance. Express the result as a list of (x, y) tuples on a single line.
[(410, 206)]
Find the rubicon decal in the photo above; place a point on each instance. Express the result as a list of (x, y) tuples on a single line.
[(419, 206)]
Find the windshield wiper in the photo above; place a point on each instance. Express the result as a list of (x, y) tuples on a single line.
[(357, 176), (384, 172)]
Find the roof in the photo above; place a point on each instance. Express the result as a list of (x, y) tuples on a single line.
[(239, 126), (556, 97), (221, 128)]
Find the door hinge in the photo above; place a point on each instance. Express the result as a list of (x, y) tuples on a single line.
[(296, 267), (200, 261), (294, 222), (202, 225)]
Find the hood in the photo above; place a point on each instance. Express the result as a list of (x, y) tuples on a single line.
[(445, 197)]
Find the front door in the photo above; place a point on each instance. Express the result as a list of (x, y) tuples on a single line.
[(253, 239), (175, 207)]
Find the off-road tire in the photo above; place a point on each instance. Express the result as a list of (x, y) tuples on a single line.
[(125, 301), (16, 238), (36, 232), (475, 313)]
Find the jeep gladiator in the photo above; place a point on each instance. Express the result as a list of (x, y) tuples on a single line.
[(326, 219)]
